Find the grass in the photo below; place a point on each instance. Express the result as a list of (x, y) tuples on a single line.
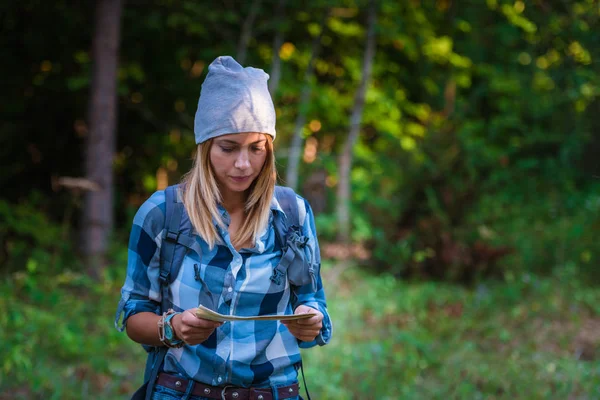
[(519, 339), (526, 338)]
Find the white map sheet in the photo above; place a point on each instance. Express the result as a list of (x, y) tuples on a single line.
[(203, 312)]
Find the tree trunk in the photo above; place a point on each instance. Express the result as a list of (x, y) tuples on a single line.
[(247, 32), (277, 42), (345, 160), (291, 178), (100, 146)]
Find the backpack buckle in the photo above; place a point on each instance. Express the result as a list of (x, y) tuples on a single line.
[(276, 277), (172, 236), (164, 275)]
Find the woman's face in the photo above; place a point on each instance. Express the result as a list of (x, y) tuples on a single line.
[(237, 159)]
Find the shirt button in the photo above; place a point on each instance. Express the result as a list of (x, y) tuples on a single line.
[(230, 289), (219, 379)]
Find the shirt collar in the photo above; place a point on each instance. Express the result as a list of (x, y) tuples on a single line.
[(275, 206)]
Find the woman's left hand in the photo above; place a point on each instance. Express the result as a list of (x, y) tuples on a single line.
[(305, 329)]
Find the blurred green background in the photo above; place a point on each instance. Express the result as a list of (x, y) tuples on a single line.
[(469, 268)]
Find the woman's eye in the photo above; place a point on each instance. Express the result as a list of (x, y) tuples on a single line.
[(227, 149), (258, 149)]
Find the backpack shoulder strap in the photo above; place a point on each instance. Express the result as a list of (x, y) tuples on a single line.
[(176, 241), (286, 198), (173, 215), (289, 204)]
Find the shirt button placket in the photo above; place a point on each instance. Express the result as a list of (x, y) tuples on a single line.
[(228, 287)]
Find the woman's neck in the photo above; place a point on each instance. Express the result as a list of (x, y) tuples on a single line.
[(234, 202)]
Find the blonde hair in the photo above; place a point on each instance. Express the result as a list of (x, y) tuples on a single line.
[(201, 196)]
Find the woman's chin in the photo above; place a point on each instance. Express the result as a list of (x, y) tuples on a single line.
[(238, 186)]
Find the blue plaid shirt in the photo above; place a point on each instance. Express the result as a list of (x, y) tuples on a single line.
[(244, 353)]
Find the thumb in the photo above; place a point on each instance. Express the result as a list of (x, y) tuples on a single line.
[(302, 309)]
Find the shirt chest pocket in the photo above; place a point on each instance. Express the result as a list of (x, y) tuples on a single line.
[(259, 273), (197, 283)]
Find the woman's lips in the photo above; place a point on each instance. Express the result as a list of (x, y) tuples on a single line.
[(240, 179)]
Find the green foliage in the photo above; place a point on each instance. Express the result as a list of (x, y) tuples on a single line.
[(466, 138), (438, 341), (514, 340), (30, 242), (556, 229), (477, 157), (470, 109), (60, 337)]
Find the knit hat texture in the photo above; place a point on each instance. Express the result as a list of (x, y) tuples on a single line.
[(233, 99)]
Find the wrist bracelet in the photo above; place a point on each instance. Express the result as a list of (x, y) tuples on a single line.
[(163, 323)]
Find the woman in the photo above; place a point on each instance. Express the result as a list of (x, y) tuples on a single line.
[(229, 198)]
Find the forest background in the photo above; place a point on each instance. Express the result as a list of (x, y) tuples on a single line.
[(449, 149)]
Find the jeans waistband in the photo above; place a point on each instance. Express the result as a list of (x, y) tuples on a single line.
[(226, 392)]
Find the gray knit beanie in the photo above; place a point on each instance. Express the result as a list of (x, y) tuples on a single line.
[(233, 99)]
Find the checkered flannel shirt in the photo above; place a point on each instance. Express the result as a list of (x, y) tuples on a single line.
[(244, 353)]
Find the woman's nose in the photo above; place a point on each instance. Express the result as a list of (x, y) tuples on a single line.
[(242, 161)]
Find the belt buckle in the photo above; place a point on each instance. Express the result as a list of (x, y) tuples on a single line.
[(234, 395)]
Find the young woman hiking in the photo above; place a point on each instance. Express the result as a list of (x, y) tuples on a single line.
[(236, 264)]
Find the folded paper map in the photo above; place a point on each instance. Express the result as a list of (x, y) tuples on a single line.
[(203, 312)]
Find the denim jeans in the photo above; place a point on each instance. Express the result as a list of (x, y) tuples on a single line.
[(164, 393)]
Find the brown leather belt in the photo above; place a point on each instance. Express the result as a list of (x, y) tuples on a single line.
[(227, 392)]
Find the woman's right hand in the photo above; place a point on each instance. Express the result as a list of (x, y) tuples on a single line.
[(191, 329)]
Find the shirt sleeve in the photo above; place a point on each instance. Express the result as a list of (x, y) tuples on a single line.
[(141, 290), (306, 295)]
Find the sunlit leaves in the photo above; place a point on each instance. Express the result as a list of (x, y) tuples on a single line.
[(286, 51), (513, 14), (131, 71), (525, 95), (82, 57), (579, 53), (542, 82), (350, 29), (438, 49)]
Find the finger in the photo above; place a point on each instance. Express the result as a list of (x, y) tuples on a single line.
[(302, 309), (302, 331), (305, 332), (304, 335), (186, 329), (195, 330), (299, 326), (201, 322), (208, 324), (192, 320), (310, 321), (197, 335), (197, 338), (306, 338)]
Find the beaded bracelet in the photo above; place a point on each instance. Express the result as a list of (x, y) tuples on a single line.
[(164, 323)]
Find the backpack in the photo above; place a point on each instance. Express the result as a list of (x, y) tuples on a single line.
[(178, 239)]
